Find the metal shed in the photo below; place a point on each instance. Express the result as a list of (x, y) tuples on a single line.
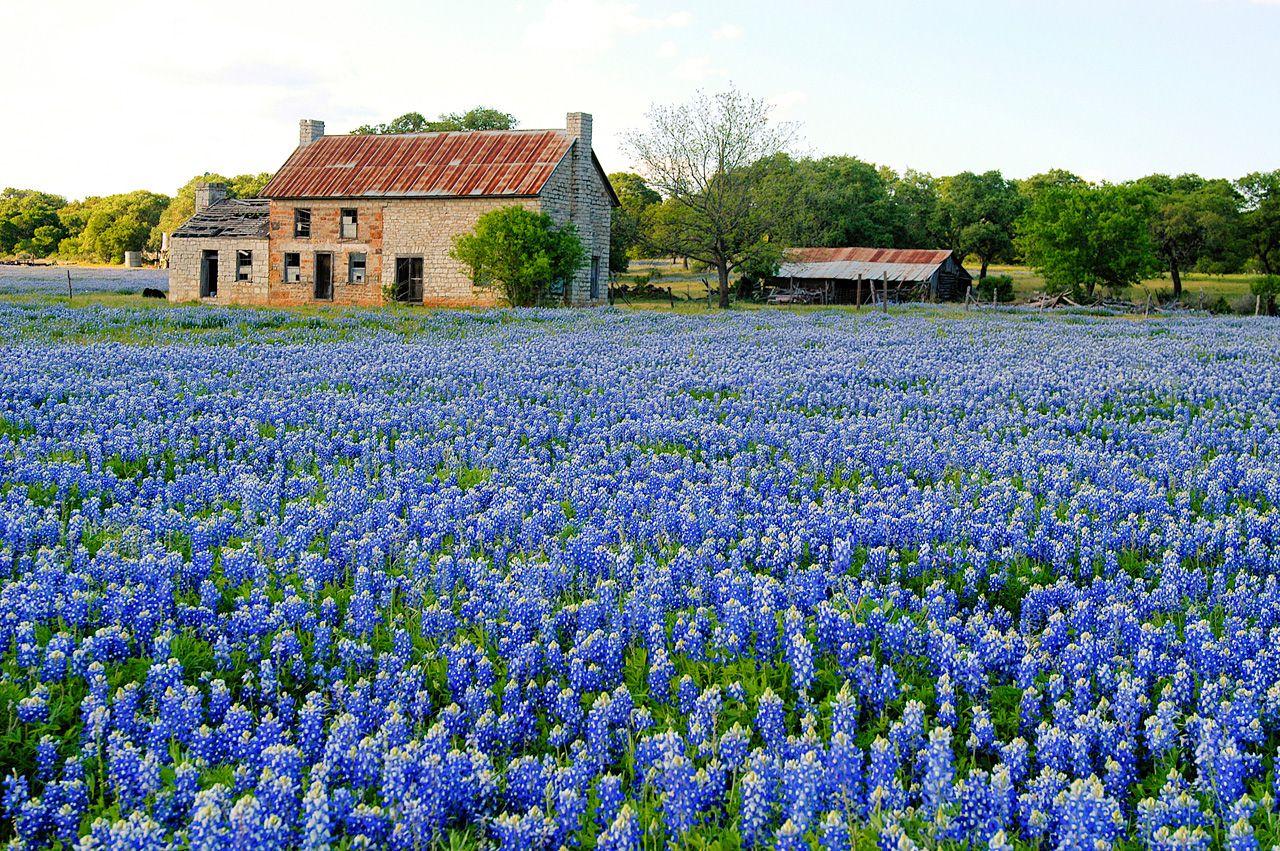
[(857, 275)]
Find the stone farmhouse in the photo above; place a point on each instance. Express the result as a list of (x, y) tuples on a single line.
[(357, 220)]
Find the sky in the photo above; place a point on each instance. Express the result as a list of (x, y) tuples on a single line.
[(110, 97)]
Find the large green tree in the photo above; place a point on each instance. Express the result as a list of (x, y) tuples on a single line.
[(183, 204), (29, 222), (478, 118), (978, 212), (521, 253), (103, 229), (1194, 224), (1261, 225), (1080, 236), (700, 156), (831, 201), (916, 207), (632, 224)]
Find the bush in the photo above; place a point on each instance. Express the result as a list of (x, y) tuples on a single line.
[(520, 252), (1000, 286)]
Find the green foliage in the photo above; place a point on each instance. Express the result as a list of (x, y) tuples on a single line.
[(29, 223), (520, 252), (832, 201), (478, 118), (1079, 236), (1261, 219), (631, 223), (978, 214), (1267, 286), (1195, 223), (999, 286), (103, 229), (183, 204)]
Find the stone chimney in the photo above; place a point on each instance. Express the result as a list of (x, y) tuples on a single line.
[(309, 129), (583, 203), (208, 194)]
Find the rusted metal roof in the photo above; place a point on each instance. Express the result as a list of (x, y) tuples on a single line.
[(478, 163), (232, 217), (897, 264)]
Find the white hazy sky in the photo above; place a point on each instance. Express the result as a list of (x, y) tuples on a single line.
[(107, 97)]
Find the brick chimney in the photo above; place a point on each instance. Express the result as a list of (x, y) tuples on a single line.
[(208, 194), (309, 129)]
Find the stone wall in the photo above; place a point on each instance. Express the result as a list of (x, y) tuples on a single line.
[(575, 192), (425, 228), (184, 270), (326, 238)]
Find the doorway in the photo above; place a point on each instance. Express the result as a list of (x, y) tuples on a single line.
[(208, 274), (324, 276), (409, 280)]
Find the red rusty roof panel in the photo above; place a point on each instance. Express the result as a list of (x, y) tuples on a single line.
[(482, 163), (911, 256)]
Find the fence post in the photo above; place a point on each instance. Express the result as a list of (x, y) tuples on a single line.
[(68, 285), (885, 293)]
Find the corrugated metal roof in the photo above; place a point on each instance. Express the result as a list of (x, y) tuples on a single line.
[(475, 163), (231, 217), (899, 264)]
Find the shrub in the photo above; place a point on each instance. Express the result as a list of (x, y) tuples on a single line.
[(520, 252), (1001, 286)]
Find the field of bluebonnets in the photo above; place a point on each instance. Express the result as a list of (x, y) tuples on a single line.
[(52, 280), (544, 579)]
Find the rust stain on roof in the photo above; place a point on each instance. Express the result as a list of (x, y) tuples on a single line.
[(482, 163), (910, 256)]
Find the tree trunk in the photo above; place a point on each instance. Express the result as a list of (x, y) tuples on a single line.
[(982, 275), (722, 273), (1176, 275)]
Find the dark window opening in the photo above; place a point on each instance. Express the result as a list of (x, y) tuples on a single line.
[(324, 276), (355, 268), (595, 278), (350, 223), (209, 274), (244, 265), (409, 279), (292, 267), (302, 224)]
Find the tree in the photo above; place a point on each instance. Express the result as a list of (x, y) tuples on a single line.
[(478, 118), (29, 222), (831, 201), (916, 203), (183, 205), (1079, 236), (1268, 287), (1193, 221), (103, 229), (1261, 191), (520, 252), (699, 156), (631, 220), (979, 212)]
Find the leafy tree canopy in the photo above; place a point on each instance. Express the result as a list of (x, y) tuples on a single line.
[(977, 213), (1079, 236), (29, 223), (478, 118), (521, 253), (632, 221), (103, 229), (1261, 219)]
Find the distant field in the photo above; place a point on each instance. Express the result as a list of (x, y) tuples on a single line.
[(20, 280)]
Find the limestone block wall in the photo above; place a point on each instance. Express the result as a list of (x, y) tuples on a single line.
[(326, 238), (184, 270), (576, 193), (425, 228)]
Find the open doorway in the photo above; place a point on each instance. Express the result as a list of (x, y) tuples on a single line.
[(324, 276), (409, 280), (208, 274)]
